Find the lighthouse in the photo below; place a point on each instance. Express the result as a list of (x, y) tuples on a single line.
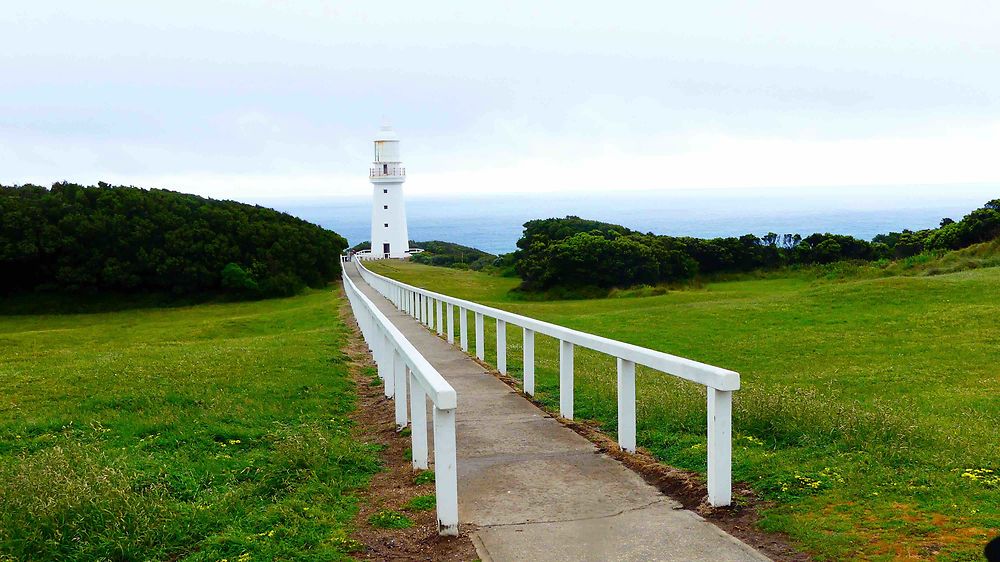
[(390, 238)]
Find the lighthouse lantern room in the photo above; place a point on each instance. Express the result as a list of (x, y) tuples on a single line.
[(390, 238)]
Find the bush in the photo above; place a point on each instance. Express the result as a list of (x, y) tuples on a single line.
[(125, 239), (282, 285), (236, 280), (827, 251), (578, 256)]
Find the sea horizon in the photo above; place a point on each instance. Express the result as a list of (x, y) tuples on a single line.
[(493, 222)]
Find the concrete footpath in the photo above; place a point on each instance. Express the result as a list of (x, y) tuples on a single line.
[(536, 490)]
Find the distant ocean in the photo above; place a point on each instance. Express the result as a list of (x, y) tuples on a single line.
[(494, 222)]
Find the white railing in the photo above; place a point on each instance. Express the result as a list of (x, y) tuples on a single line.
[(368, 255), (720, 383), (364, 255), (401, 365), (386, 171)]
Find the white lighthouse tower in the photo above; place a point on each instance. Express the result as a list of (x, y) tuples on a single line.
[(390, 238)]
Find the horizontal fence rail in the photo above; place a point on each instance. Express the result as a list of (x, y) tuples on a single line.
[(400, 365), (719, 383)]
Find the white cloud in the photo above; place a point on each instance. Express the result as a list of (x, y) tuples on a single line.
[(255, 98)]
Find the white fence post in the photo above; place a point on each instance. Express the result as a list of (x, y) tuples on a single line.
[(626, 405), (480, 347), (720, 447), (385, 371), (445, 471), (451, 323), (501, 346), (418, 424), (566, 379), (529, 361), (400, 370), (439, 324), (463, 328)]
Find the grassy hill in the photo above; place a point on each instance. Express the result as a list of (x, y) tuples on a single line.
[(869, 419), (191, 433)]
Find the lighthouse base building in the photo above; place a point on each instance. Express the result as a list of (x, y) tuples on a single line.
[(390, 237)]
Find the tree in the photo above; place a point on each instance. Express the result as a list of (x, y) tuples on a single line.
[(77, 238), (827, 251), (573, 252)]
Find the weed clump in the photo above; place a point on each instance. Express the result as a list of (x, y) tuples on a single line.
[(389, 519), (421, 503), (424, 477)]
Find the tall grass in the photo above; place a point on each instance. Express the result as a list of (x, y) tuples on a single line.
[(190, 433)]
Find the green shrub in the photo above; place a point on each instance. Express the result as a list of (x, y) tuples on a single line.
[(236, 280), (282, 285)]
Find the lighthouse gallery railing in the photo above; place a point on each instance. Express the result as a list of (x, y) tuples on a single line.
[(426, 306)]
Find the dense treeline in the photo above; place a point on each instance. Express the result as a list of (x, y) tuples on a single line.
[(574, 252), (127, 239), (449, 254)]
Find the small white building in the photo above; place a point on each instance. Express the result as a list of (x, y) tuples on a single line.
[(390, 238)]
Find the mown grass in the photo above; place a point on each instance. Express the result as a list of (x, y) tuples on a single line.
[(208, 432), (865, 400)]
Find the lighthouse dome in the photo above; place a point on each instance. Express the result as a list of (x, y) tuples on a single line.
[(386, 145)]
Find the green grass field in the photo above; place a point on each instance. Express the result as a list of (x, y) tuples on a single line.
[(209, 432), (869, 418)]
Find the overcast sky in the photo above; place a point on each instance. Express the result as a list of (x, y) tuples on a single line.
[(256, 100)]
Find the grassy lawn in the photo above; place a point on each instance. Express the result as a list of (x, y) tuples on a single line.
[(208, 432), (869, 416)]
